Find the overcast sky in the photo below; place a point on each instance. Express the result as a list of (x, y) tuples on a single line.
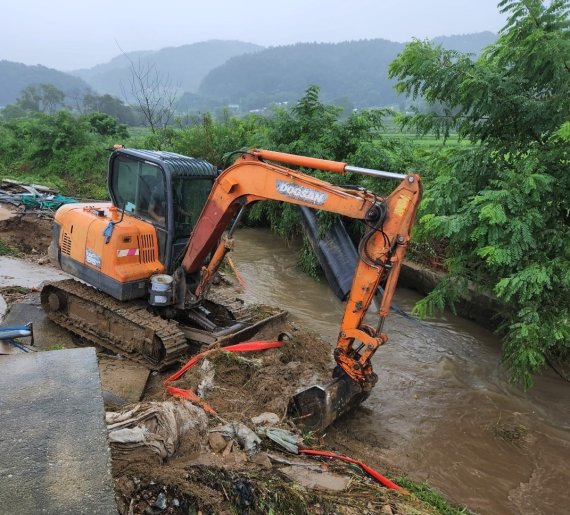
[(70, 34)]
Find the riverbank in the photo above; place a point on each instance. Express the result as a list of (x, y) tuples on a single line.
[(444, 408)]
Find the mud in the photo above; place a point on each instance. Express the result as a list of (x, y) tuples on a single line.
[(249, 384), (29, 233), (241, 387)]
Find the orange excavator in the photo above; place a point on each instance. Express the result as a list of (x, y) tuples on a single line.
[(151, 256)]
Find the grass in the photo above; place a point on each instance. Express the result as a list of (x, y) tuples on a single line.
[(233, 358), (426, 141), (7, 250), (428, 494)]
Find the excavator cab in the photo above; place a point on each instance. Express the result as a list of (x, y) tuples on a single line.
[(165, 189)]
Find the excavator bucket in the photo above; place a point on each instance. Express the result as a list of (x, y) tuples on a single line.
[(317, 407)]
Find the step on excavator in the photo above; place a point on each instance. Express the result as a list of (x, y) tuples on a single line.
[(147, 261)]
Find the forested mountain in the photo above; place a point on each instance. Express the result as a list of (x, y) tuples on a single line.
[(14, 77), (356, 70), (185, 65), (466, 43), (213, 74)]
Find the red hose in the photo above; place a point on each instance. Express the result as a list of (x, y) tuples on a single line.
[(252, 347), (370, 471), (192, 397), (239, 347)]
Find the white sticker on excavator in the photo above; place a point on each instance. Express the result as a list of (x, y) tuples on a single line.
[(295, 191), (92, 258)]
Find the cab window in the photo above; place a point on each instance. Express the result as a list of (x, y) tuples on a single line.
[(190, 195), (139, 188)]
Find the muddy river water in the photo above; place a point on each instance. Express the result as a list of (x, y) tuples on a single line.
[(443, 408)]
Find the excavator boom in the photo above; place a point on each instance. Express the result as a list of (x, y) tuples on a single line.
[(389, 223)]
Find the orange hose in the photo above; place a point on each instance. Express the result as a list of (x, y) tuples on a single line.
[(369, 470)]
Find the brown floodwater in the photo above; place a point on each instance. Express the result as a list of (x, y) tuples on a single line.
[(443, 408)]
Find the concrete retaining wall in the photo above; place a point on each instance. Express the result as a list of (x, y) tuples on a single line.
[(481, 307)]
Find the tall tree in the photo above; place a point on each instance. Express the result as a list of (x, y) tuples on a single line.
[(41, 98), (504, 204), (153, 92)]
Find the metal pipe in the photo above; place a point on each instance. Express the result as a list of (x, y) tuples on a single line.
[(14, 333), (375, 173), (236, 221)]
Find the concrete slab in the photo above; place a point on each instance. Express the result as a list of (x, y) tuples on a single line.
[(17, 272), (3, 308), (54, 455), (123, 378), (47, 335)]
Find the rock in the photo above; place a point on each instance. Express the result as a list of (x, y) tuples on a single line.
[(387, 509), (160, 502), (236, 457), (217, 442), (262, 460), (266, 419), (44, 260), (228, 448)]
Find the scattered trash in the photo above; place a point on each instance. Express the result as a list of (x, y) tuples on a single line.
[(160, 502), (207, 382), (247, 439), (32, 196), (266, 419), (286, 439)]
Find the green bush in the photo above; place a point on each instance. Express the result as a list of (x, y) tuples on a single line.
[(503, 205)]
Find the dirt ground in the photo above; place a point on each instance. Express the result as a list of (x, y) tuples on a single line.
[(29, 233), (209, 475)]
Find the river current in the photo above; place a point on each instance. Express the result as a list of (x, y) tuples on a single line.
[(443, 409)]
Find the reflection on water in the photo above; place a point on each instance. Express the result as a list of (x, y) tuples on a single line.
[(443, 406)]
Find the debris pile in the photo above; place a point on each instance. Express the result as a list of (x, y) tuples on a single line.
[(249, 458), (32, 196)]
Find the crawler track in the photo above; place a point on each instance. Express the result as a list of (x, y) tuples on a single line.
[(125, 328), (129, 329)]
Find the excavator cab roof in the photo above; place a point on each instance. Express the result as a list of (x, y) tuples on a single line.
[(176, 165)]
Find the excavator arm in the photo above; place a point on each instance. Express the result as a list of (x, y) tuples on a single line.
[(381, 251)]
